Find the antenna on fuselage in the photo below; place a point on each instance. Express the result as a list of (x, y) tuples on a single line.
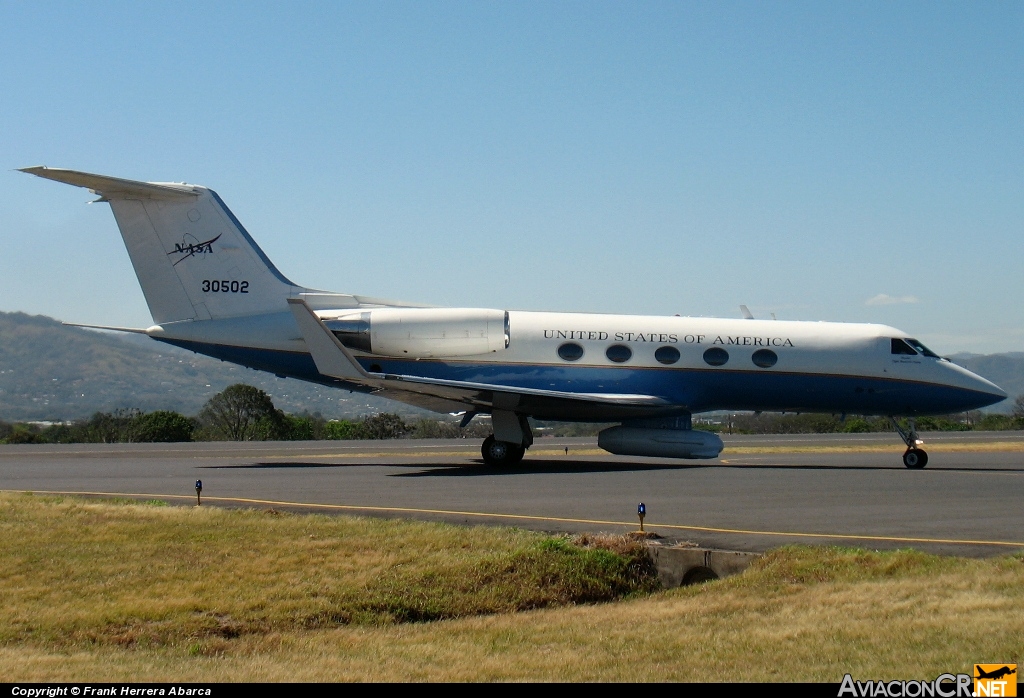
[(747, 315)]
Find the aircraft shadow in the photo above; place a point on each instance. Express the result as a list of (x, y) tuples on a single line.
[(536, 467), (562, 466), (296, 465), (533, 467), (473, 469)]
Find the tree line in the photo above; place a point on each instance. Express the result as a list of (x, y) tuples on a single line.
[(810, 423), (244, 413), (238, 413)]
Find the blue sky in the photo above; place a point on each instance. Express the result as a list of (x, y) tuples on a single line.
[(820, 161)]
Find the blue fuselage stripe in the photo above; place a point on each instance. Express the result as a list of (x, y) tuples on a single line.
[(696, 390)]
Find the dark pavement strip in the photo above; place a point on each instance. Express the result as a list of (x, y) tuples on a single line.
[(755, 500)]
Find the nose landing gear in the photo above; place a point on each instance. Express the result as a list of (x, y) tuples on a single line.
[(915, 457)]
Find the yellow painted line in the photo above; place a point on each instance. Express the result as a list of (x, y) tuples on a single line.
[(527, 517)]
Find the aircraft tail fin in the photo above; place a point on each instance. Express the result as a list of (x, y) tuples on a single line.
[(193, 258)]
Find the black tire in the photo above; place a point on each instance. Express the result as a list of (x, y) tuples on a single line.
[(501, 453), (915, 458)]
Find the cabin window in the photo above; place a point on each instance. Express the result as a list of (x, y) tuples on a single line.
[(570, 351), (716, 356), (921, 348), (765, 358), (619, 353), (667, 355), (901, 347)]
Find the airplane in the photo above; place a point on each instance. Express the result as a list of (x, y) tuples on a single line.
[(995, 674), (211, 289)]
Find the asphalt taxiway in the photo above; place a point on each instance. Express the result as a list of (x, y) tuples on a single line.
[(764, 491)]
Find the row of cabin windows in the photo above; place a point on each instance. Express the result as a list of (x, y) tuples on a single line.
[(620, 354), (717, 356)]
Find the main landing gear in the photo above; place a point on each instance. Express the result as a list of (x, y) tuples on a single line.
[(501, 453), (511, 437), (915, 458)]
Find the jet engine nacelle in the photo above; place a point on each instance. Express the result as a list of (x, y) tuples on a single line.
[(660, 443), (422, 333)]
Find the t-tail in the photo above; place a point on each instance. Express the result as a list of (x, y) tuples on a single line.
[(194, 260), (208, 284)]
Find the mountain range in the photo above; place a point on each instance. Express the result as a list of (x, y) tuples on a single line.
[(53, 372)]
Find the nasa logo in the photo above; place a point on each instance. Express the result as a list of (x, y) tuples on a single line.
[(190, 247)]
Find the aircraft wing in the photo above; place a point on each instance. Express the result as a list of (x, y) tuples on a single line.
[(332, 358)]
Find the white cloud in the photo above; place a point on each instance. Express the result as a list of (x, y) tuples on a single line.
[(886, 299)]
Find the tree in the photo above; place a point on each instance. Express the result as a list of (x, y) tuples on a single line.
[(242, 413), (436, 429), (22, 435), (109, 427), (1018, 411), (341, 430), (162, 426), (385, 425)]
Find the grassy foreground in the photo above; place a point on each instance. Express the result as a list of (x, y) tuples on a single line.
[(107, 591)]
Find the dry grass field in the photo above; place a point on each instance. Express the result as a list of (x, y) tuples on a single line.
[(117, 591)]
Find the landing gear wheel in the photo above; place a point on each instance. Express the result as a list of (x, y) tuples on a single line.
[(501, 453), (915, 458)]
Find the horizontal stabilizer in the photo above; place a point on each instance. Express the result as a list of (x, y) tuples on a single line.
[(114, 187), (132, 330)]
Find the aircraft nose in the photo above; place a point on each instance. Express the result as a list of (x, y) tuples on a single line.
[(985, 389), (995, 391)]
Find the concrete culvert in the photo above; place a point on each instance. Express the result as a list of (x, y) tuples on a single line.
[(699, 575)]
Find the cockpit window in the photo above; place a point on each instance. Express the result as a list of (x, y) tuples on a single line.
[(901, 347), (922, 348)]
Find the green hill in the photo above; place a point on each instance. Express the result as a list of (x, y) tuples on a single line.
[(51, 372)]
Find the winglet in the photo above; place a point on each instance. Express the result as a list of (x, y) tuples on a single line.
[(331, 357)]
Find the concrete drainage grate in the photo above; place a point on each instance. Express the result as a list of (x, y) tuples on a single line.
[(681, 565)]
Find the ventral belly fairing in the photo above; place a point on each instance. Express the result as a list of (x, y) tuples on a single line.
[(211, 289)]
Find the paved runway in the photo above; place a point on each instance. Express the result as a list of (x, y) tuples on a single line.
[(763, 492)]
